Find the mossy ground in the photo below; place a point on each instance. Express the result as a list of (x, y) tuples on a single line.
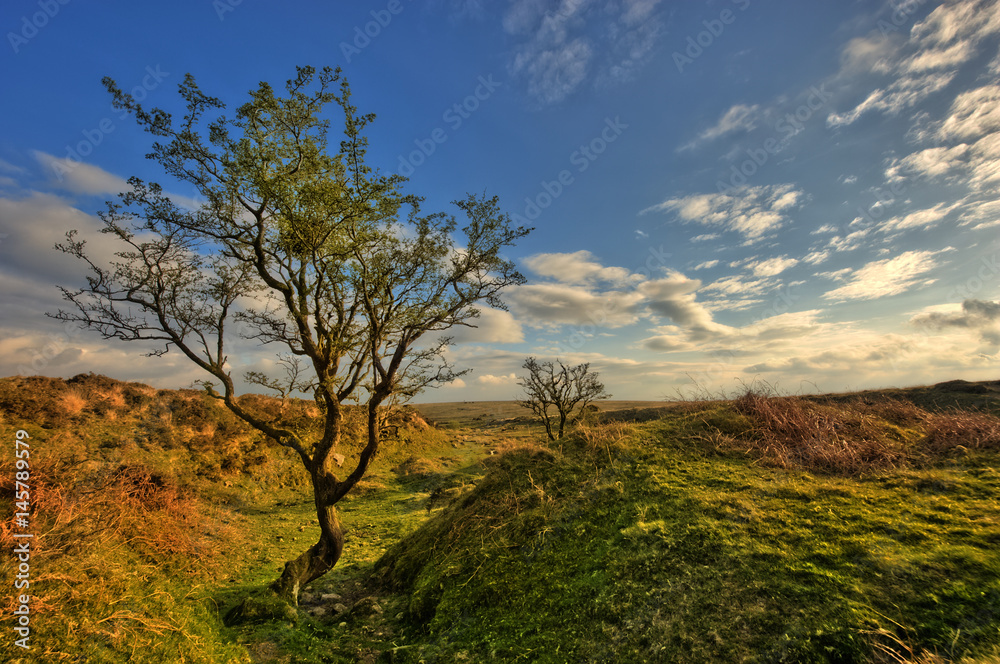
[(654, 541)]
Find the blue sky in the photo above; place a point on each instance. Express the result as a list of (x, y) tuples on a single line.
[(722, 191)]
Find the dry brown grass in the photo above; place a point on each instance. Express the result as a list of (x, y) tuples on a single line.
[(962, 430), (856, 436), (98, 536), (794, 432), (603, 436), (72, 403)]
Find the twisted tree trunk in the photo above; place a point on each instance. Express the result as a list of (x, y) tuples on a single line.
[(322, 556)]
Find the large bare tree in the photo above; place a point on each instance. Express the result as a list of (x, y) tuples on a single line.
[(299, 248), (553, 392)]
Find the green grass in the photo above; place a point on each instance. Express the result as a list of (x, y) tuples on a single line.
[(663, 540), (676, 552)]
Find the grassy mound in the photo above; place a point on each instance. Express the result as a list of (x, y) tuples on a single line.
[(670, 542)]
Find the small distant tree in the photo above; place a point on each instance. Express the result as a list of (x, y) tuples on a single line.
[(553, 390), (299, 248)]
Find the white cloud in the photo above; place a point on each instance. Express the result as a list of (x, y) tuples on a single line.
[(953, 22), (849, 242), (918, 219), (739, 286), (637, 11), (940, 58), (492, 326), (772, 266), (984, 164), (674, 297), (554, 304), (825, 228), (738, 118), (705, 237), (816, 257), (981, 214), (706, 265), (8, 167), (554, 73), (903, 93), (887, 277), (751, 211), (974, 118), (931, 162), (925, 63), (79, 177), (973, 114), (490, 379), (579, 267)]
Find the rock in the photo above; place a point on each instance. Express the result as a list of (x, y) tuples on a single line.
[(307, 598), (339, 609), (330, 597), (317, 611), (366, 607)]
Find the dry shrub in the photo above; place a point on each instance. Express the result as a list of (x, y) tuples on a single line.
[(603, 436), (851, 437), (110, 400), (894, 411), (72, 403), (132, 504), (962, 430), (794, 432), (156, 517)]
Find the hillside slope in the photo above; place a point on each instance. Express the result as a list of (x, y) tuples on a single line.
[(667, 542), (837, 528)]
